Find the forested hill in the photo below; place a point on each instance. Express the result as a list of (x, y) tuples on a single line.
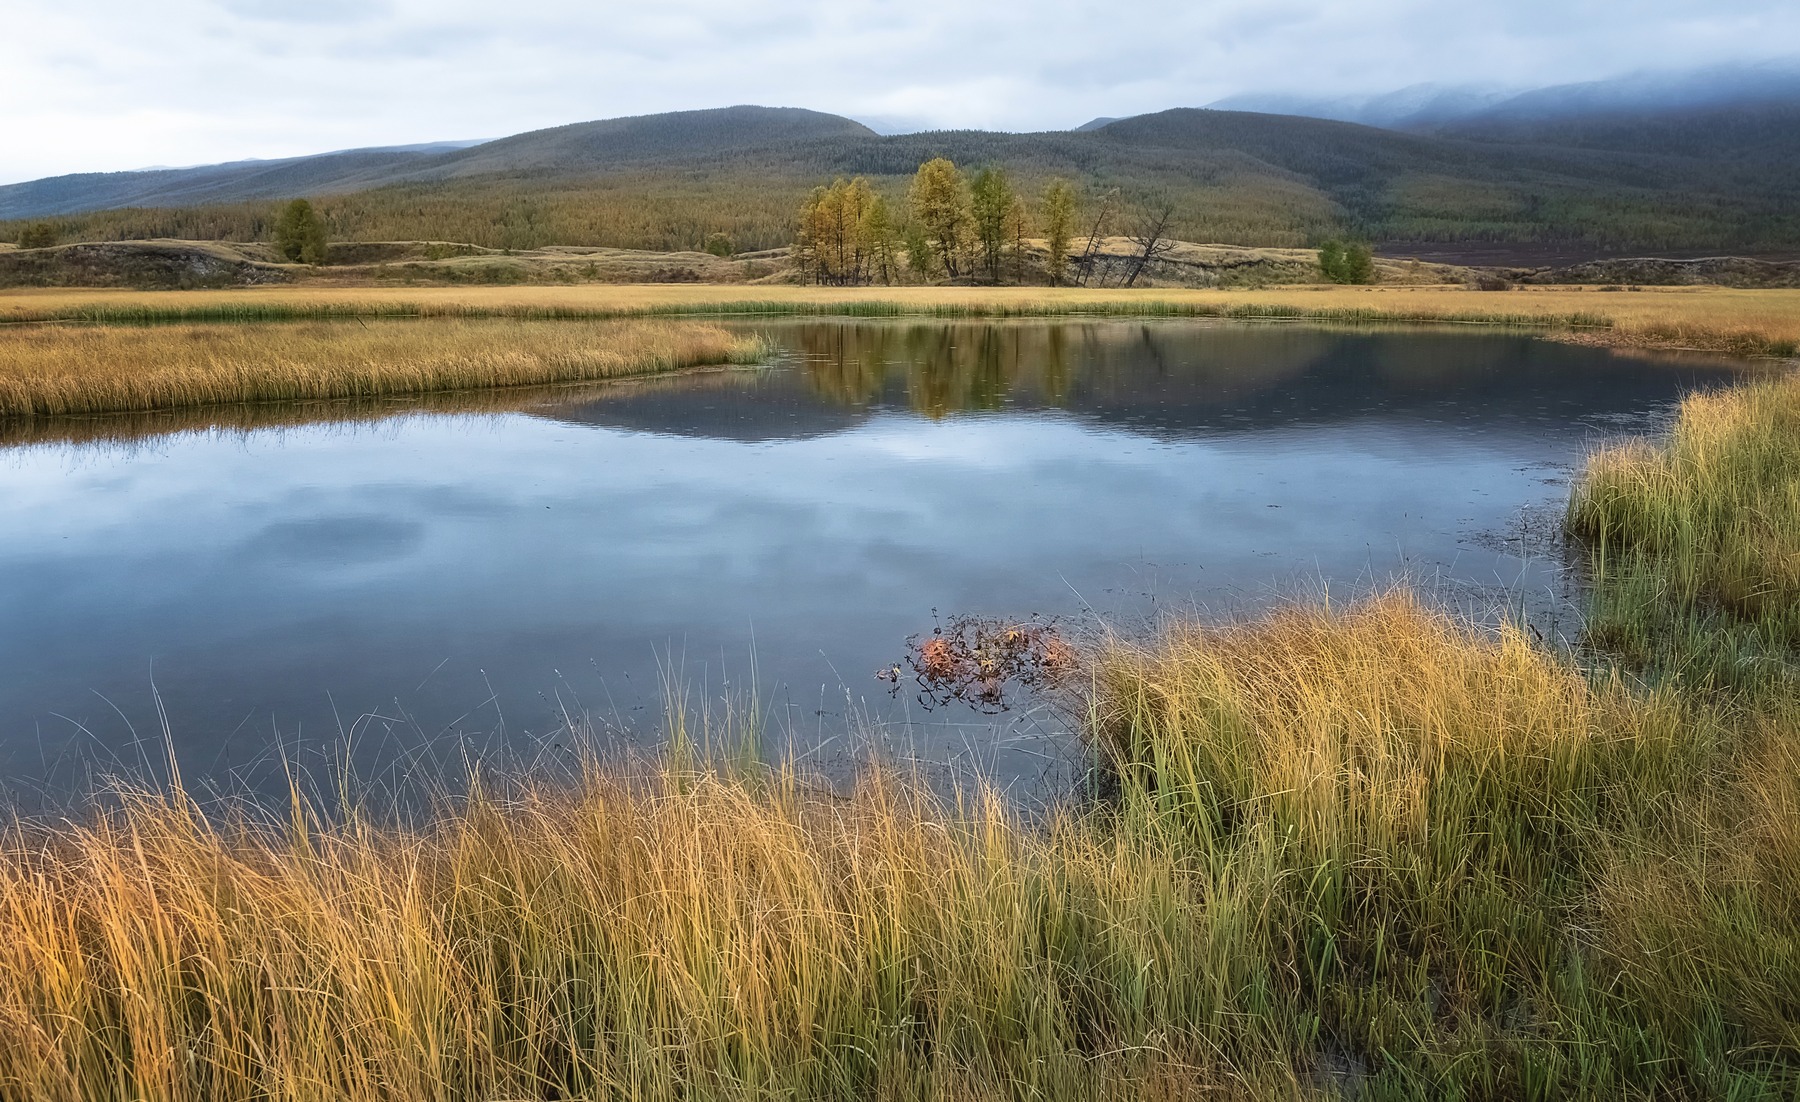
[(1759, 134), (667, 181), (584, 147)]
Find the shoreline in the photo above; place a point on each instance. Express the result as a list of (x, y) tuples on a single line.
[(1746, 323)]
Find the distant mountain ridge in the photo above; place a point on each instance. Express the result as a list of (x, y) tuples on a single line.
[(585, 145), (1435, 107), (1405, 108)]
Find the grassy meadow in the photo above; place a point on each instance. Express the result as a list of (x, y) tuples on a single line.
[(1360, 850), (62, 370)]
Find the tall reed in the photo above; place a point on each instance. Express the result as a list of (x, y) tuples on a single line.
[(1427, 811)]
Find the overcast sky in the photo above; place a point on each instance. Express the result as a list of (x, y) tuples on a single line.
[(96, 85)]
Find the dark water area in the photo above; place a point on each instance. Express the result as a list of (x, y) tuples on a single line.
[(401, 586)]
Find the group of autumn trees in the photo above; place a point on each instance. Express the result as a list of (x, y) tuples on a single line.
[(952, 226), (974, 230)]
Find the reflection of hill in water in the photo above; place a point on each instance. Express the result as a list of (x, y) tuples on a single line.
[(1162, 379), (127, 430), (747, 406)]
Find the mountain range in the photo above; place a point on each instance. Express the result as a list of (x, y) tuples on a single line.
[(1701, 161)]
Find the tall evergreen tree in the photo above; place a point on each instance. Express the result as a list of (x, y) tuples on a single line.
[(1018, 224), (919, 255), (38, 235), (991, 201), (300, 233), (883, 239)]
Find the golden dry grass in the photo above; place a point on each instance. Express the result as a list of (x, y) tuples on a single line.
[(1364, 723), (1696, 539), (55, 370), (1708, 318), (1720, 499), (692, 936)]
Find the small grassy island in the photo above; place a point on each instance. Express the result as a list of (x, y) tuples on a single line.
[(52, 371)]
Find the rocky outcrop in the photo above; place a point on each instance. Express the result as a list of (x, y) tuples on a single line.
[(1719, 271), (392, 252), (154, 265)]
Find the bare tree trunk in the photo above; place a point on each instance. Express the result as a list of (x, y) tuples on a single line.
[(1151, 239), (1085, 265)]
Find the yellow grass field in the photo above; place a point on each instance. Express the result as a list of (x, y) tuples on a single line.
[(1755, 322)]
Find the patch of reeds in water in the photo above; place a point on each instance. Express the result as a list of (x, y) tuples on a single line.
[(52, 370), (1437, 823), (1696, 539), (1365, 849)]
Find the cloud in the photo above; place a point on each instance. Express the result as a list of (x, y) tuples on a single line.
[(315, 11), (115, 84)]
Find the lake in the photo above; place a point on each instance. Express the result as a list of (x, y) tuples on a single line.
[(416, 582)]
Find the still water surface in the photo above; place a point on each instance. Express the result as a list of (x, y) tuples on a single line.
[(435, 580)]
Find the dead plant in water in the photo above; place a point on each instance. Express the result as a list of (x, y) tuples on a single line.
[(975, 660)]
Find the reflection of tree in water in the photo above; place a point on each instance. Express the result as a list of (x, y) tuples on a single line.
[(1180, 376), (1056, 364), (845, 364), (947, 368), (950, 368), (944, 368)]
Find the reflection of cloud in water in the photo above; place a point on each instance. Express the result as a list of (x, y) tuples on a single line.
[(346, 540)]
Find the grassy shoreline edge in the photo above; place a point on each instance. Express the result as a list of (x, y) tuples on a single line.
[(1598, 326)]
